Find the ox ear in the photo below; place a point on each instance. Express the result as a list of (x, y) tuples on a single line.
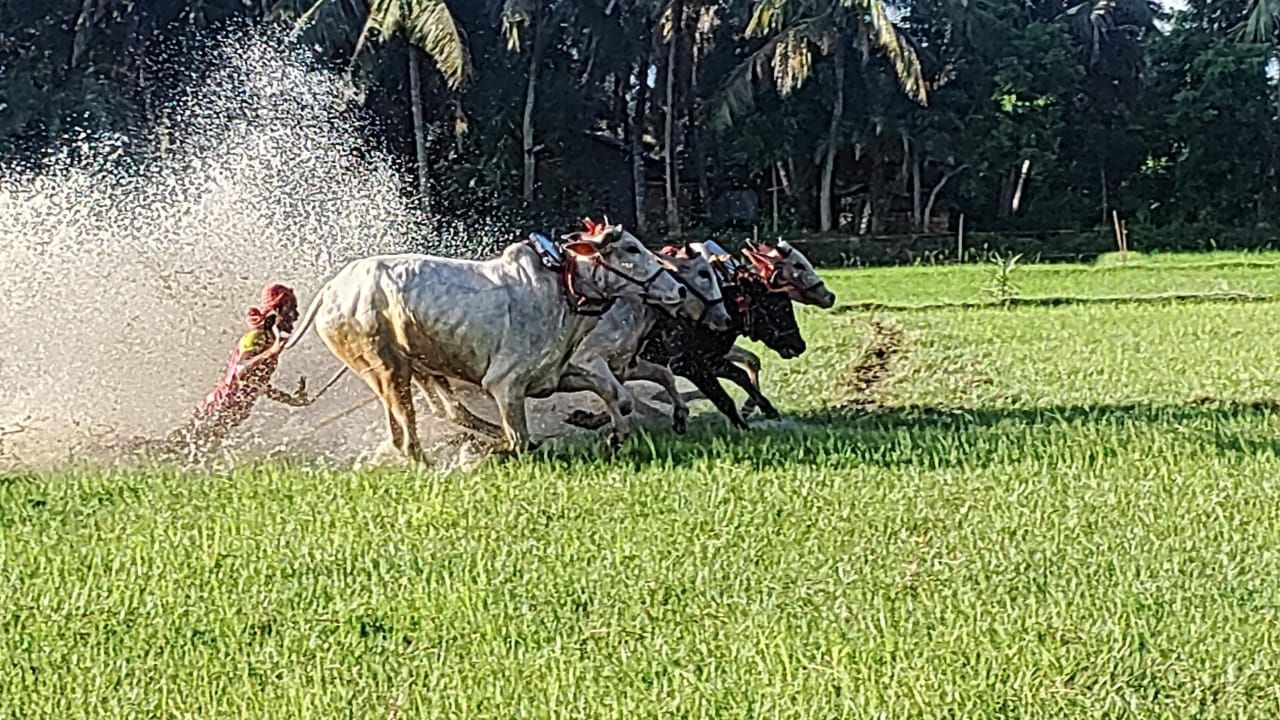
[(760, 259), (579, 244), (611, 233), (785, 249)]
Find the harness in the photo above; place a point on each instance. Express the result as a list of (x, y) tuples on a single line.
[(769, 283), (744, 306), (707, 303), (723, 275), (784, 252), (748, 319), (579, 302)]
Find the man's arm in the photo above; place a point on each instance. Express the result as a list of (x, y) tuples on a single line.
[(297, 399), (251, 359)]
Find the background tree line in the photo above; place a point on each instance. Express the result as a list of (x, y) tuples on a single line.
[(851, 116)]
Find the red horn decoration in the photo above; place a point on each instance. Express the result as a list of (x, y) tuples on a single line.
[(591, 226)]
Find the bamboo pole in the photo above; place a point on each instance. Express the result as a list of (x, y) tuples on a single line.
[(1115, 221), (960, 241)]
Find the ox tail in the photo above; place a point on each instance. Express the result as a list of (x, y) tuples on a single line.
[(307, 320)]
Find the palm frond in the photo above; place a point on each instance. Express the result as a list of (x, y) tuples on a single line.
[(766, 17), (432, 28), (792, 63), (380, 18), (902, 56), (1262, 23), (736, 96)]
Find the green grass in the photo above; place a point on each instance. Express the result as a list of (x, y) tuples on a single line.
[(1150, 274), (1038, 512)]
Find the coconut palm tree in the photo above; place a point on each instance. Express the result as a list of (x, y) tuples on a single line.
[(428, 25), (541, 18), (1262, 25), (1109, 36), (794, 30)]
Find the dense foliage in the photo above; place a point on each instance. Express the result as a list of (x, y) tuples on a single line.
[(847, 115)]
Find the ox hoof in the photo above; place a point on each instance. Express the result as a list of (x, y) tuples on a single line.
[(772, 414), (510, 451), (680, 422)]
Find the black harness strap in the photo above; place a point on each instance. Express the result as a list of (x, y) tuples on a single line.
[(584, 304)]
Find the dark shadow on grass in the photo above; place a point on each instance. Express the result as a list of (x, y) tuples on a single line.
[(1062, 300), (923, 436), (1247, 444)]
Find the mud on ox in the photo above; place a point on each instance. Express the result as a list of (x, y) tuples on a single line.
[(503, 324)]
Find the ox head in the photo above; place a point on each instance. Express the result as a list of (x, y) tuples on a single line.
[(787, 270), (705, 302), (769, 317), (615, 263)]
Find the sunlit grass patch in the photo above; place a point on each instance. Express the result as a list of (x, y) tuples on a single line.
[(1033, 512)]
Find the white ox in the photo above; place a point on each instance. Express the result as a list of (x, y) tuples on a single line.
[(614, 344), (505, 324)]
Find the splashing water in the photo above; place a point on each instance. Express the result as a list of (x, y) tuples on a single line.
[(125, 280)]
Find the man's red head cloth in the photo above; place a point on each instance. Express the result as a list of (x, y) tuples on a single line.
[(280, 300)]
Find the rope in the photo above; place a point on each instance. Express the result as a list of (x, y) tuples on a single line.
[(328, 385)]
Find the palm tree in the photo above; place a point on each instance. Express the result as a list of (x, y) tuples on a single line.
[(1262, 25), (542, 16), (685, 28), (793, 30), (429, 27), (1109, 35)]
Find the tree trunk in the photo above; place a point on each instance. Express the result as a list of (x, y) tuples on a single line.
[(1006, 193), (917, 211), (933, 195), (84, 22), (541, 36), (877, 201), (419, 123), (784, 178), (621, 88), (829, 161), (639, 178), (1023, 172), (669, 141), (1102, 173), (695, 139), (696, 136)]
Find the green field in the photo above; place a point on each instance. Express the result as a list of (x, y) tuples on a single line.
[(1050, 512)]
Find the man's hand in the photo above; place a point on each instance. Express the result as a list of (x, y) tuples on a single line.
[(277, 346)]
